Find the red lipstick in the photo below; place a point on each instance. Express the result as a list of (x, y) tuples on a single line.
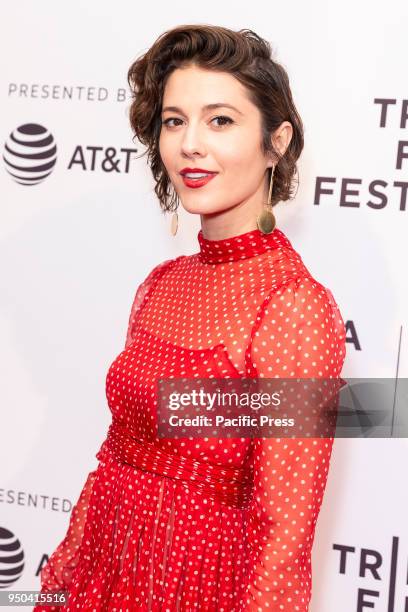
[(202, 178)]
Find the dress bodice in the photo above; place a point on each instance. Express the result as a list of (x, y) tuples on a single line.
[(214, 296), (207, 524)]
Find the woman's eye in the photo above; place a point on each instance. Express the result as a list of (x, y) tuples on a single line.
[(222, 121), (166, 121), (223, 117)]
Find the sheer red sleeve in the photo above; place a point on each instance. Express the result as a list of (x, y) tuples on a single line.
[(140, 296), (302, 324), (57, 573)]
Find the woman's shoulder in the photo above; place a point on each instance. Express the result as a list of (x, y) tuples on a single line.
[(305, 289), (291, 283), (161, 267), (303, 302)]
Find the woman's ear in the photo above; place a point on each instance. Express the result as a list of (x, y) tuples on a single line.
[(282, 136)]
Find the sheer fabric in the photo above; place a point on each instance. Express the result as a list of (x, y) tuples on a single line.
[(206, 524), (300, 334)]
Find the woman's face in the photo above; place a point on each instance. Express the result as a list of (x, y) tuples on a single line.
[(225, 140)]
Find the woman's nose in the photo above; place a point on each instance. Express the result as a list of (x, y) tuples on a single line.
[(192, 141)]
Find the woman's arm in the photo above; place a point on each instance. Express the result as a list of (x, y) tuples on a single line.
[(57, 573), (301, 335)]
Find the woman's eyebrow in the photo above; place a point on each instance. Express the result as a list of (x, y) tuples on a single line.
[(177, 109)]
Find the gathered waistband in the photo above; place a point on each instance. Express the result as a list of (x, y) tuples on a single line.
[(230, 485)]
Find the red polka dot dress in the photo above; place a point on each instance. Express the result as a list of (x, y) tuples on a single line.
[(220, 525)]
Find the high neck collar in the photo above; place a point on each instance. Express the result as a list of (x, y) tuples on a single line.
[(239, 247)]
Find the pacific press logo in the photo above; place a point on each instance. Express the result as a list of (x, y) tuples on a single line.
[(30, 154), (11, 558)]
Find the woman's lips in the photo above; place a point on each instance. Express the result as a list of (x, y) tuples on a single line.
[(198, 182)]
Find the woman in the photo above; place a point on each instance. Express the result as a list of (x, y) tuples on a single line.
[(209, 524)]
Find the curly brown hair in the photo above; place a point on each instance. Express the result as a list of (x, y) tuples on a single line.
[(243, 54)]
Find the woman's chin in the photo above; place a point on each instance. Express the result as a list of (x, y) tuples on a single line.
[(198, 208)]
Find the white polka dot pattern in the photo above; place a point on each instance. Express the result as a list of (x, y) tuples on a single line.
[(217, 525), (301, 334)]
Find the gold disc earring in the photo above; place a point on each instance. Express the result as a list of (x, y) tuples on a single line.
[(174, 224), (174, 219), (266, 221)]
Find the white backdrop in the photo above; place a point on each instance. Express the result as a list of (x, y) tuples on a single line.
[(75, 246)]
